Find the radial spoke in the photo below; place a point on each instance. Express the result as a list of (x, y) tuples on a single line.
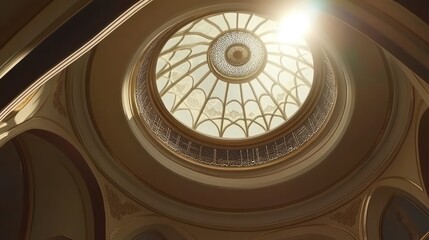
[(208, 69), (184, 47), (272, 98), (227, 23), (244, 110), (166, 89), (287, 91), (259, 106), (184, 97), (248, 21), (161, 73), (259, 25), (223, 109), (205, 103), (284, 69)]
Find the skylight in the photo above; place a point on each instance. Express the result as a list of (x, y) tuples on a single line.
[(230, 76)]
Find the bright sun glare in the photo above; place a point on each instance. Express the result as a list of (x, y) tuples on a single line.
[(295, 25)]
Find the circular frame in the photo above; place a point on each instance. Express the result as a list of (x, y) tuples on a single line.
[(294, 122), (233, 79), (226, 153)]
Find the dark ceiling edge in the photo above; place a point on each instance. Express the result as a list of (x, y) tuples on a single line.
[(67, 39), (417, 7), (97, 15), (412, 63)]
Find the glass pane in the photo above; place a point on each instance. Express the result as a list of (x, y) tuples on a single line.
[(228, 75)]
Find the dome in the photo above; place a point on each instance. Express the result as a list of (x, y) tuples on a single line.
[(232, 78), (229, 75), (93, 138)]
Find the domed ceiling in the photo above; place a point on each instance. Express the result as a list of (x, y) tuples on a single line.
[(213, 119), (230, 78), (228, 75)]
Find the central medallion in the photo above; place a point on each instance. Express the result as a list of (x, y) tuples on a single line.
[(237, 56)]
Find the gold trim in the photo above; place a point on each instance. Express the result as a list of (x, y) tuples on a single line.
[(56, 100), (75, 55), (296, 120), (143, 128), (28, 184), (420, 108), (264, 235), (425, 236), (20, 105), (229, 79), (119, 209), (253, 143), (403, 179), (349, 216), (27, 48)]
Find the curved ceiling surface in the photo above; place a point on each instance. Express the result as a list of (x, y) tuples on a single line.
[(365, 89), (230, 78)]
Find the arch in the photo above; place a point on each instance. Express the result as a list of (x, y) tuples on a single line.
[(317, 231), (396, 211), (14, 190), (25, 75), (158, 231), (149, 235), (60, 188), (423, 150), (402, 219), (153, 227), (59, 238), (93, 189)]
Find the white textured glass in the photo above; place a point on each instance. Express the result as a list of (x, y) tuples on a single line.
[(228, 75), (237, 55)]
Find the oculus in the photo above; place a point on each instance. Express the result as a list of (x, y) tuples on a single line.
[(212, 89), (229, 75)]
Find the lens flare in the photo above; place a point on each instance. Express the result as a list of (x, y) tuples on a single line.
[(294, 27)]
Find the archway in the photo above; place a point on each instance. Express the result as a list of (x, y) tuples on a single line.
[(56, 191)]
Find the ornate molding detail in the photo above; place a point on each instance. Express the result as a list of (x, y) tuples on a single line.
[(56, 101), (118, 208), (203, 153), (348, 217)]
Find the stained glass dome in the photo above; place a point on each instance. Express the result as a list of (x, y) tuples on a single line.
[(230, 89), (230, 76)]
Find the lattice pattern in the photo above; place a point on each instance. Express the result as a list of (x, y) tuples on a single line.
[(209, 81), (269, 151)]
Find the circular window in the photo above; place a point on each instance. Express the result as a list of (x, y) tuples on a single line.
[(212, 90), (230, 75)]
